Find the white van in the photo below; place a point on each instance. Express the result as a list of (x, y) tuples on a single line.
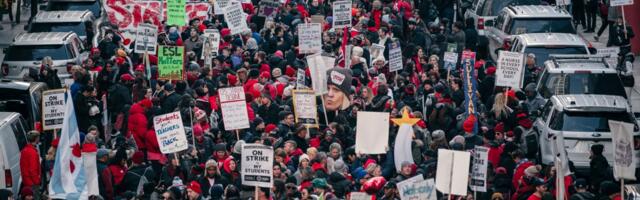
[(12, 139)]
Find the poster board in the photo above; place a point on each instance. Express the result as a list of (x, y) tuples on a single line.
[(305, 107), (417, 189), (170, 133), (146, 38), (624, 159), (372, 132), (257, 165), (449, 162), (479, 169), (53, 102), (309, 38), (341, 14), (510, 72), (318, 66), (234, 108), (175, 12), (170, 62), (450, 60), (395, 57), (236, 19), (268, 9)]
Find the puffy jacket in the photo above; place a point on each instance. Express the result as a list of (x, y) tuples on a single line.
[(153, 148), (30, 166), (105, 181), (138, 125)]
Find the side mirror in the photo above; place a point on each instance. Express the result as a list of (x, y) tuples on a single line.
[(593, 51)]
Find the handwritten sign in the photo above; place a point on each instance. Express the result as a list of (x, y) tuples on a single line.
[(257, 165), (305, 108), (395, 57), (146, 39), (510, 70), (450, 60), (220, 5), (170, 132), (236, 19), (210, 45), (624, 161), (268, 8), (341, 14), (175, 12), (310, 38), (170, 62), (479, 170), (376, 51), (53, 102), (234, 108), (300, 79), (417, 189)]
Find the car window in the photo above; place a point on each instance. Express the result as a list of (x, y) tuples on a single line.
[(590, 121), (19, 131), (479, 7), (72, 49), (13, 100), (36, 96), (37, 52), (542, 52), (76, 27), (500, 20), (540, 25), (94, 6)]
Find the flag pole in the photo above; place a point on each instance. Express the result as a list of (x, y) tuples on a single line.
[(324, 109), (256, 193), (237, 135)]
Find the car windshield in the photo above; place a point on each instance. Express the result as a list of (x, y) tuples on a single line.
[(589, 121), (93, 6), (498, 5), (13, 100), (36, 52), (582, 83), (541, 25), (76, 27), (542, 52)]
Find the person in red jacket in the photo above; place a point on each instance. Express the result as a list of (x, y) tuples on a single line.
[(30, 164), (138, 122)]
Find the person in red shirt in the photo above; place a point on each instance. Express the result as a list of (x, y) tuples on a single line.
[(541, 188), (30, 164)]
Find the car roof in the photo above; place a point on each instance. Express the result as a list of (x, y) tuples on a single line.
[(62, 16), (537, 11), (573, 65), (43, 38), (7, 117), (590, 102), (541, 39), (18, 85)]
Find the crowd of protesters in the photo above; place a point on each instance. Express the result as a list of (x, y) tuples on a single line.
[(310, 163)]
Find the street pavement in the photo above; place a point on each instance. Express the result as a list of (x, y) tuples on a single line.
[(9, 32)]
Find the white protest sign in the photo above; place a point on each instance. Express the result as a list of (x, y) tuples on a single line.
[(318, 70), (395, 57), (211, 44), (359, 196), (236, 19), (612, 52), (417, 189), (309, 38), (220, 5), (146, 38), (621, 2), (376, 51), (305, 108), (234, 108), (341, 14), (624, 161), (268, 9), (450, 60), (257, 165), (300, 79), (479, 170), (53, 102), (449, 162), (372, 132), (510, 69), (170, 132)]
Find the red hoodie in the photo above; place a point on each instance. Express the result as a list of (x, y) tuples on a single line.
[(137, 125), (153, 148)]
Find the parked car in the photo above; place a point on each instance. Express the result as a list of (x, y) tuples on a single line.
[(484, 12), (28, 49), (515, 20), (95, 6), (13, 138), (80, 22), (582, 120), (544, 44), (579, 74), (24, 98)]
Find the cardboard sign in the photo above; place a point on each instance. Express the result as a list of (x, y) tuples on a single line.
[(236, 19), (318, 66), (624, 160), (449, 162), (175, 12), (417, 189), (300, 79), (341, 14), (359, 196), (372, 132), (450, 60), (170, 132), (395, 57), (220, 5), (170, 62), (268, 9), (479, 170), (621, 2), (310, 38), (257, 165), (305, 107), (53, 103), (146, 39), (234, 108), (510, 70)]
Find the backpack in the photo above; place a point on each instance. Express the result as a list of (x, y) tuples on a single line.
[(142, 182)]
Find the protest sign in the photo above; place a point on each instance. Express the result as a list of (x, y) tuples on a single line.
[(341, 14), (170, 62), (621, 2), (257, 165), (210, 45), (395, 57), (268, 9), (359, 196), (309, 38), (452, 47), (469, 82), (175, 12), (450, 60), (510, 70), (236, 19), (318, 70), (376, 51), (234, 108), (170, 132), (624, 161), (146, 39), (612, 52), (417, 189), (53, 102), (450, 161), (372, 132), (479, 170), (305, 107), (300, 79), (220, 5)]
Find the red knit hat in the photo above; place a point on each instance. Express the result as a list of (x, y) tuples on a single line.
[(232, 79), (266, 75), (491, 70), (469, 124), (146, 103), (269, 128), (289, 71), (195, 186), (499, 128), (138, 157)]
